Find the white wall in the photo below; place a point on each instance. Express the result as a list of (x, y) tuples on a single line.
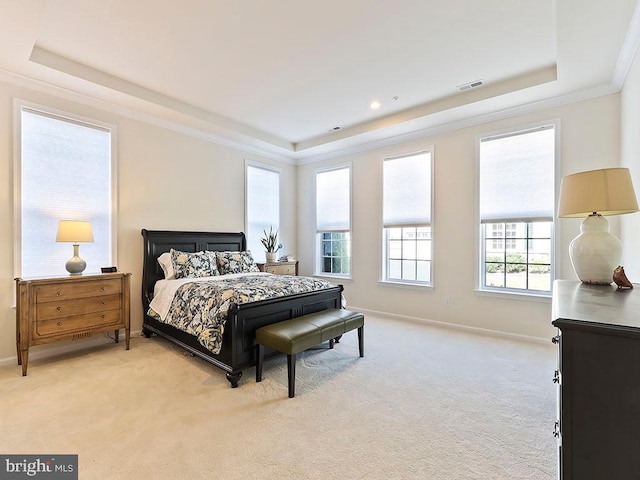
[(167, 180), (630, 154), (589, 139)]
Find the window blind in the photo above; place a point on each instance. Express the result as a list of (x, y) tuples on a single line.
[(333, 200), (263, 206), (517, 177), (65, 174), (407, 190)]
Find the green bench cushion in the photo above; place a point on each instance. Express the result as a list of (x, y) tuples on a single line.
[(301, 333), (291, 337)]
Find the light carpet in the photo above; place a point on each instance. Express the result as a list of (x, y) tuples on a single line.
[(424, 403)]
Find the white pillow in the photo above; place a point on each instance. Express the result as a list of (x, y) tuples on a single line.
[(167, 266)]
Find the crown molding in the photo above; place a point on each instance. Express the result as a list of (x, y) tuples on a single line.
[(75, 69), (244, 145), (532, 107), (628, 50)]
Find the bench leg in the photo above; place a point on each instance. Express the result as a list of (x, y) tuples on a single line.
[(260, 361), (361, 340), (291, 369), (331, 343)]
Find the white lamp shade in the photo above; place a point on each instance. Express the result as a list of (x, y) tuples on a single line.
[(74, 231), (608, 191)]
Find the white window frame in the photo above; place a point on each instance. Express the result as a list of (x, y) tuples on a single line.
[(318, 235), (533, 295), (384, 280), (259, 257), (20, 105)]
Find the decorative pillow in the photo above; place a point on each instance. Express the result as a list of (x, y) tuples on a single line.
[(193, 265), (236, 262), (167, 266)]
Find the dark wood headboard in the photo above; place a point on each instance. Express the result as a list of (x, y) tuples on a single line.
[(157, 242)]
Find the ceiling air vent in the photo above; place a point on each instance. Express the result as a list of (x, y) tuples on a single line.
[(470, 85)]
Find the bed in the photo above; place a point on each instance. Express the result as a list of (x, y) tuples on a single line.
[(237, 351)]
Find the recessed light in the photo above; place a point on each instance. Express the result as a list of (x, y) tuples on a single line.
[(375, 105)]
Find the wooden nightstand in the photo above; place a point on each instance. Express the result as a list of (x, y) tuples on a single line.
[(68, 308), (280, 268)]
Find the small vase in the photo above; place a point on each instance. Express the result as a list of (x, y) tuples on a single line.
[(271, 257)]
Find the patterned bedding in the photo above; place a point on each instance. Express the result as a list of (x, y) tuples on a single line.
[(200, 306)]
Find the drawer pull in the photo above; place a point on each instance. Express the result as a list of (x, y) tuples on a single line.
[(555, 339), (102, 315), (58, 293), (102, 302), (102, 288), (58, 308), (59, 324)]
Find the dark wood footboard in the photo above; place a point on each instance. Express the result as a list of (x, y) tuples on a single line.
[(238, 341), (245, 319)]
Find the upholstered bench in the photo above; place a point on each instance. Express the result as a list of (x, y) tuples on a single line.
[(301, 333)]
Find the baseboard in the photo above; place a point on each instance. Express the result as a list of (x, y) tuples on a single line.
[(54, 349), (455, 326), (51, 350)]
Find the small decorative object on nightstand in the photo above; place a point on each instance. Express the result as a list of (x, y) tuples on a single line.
[(68, 308), (620, 278), (271, 245), (280, 268)]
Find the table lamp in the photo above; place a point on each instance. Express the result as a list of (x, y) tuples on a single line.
[(595, 252), (76, 232)]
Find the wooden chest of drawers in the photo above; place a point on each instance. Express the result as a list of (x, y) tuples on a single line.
[(53, 309), (280, 268)]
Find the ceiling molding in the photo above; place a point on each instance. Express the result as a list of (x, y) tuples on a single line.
[(79, 70), (70, 95), (511, 112), (93, 102), (628, 50), (459, 99), (226, 129)]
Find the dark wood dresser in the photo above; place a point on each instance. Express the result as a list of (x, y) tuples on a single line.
[(68, 308), (598, 378)]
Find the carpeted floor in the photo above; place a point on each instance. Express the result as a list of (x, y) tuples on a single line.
[(424, 403)]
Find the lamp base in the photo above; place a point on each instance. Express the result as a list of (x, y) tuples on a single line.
[(595, 253), (75, 265)]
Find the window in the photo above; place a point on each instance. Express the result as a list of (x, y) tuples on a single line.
[(335, 252), (333, 221), (64, 171), (263, 206), (516, 210), (407, 218)]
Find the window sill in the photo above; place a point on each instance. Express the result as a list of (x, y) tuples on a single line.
[(406, 285), (513, 295), (334, 278)]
